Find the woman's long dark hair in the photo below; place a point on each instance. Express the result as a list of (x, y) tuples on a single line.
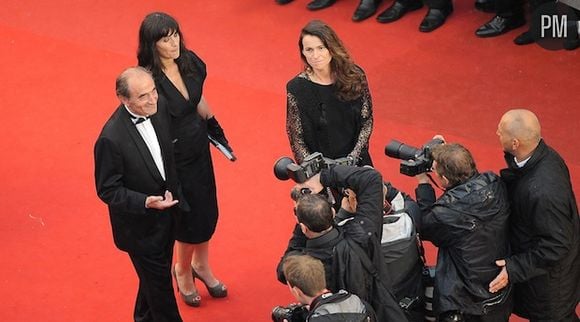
[(349, 78), (155, 26)]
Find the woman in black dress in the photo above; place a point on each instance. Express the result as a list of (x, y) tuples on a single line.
[(179, 76), (329, 107)]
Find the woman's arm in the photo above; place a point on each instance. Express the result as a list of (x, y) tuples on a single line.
[(204, 110), (367, 124), (294, 129)]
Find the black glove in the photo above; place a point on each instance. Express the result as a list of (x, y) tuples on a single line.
[(215, 130)]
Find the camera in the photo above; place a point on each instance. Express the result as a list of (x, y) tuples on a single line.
[(285, 168), (292, 313), (414, 160)]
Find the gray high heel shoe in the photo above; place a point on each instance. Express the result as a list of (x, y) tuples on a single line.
[(217, 291), (192, 299)]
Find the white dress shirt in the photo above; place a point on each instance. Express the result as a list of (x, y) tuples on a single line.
[(147, 132)]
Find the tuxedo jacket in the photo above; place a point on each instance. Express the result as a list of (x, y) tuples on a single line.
[(125, 174)]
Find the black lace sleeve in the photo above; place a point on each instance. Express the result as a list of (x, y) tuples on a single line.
[(294, 128), (367, 123)]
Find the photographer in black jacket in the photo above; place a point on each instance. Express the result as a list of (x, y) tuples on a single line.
[(469, 224), (343, 247)]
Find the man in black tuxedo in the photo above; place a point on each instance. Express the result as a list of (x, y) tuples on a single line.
[(136, 177)]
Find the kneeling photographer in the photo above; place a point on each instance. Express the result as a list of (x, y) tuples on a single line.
[(469, 225), (306, 279), (349, 250)]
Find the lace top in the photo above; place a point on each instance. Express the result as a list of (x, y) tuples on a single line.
[(317, 121)]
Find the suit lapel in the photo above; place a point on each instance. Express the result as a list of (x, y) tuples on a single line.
[(141, 145)]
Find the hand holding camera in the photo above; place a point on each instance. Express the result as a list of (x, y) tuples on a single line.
[(285, 168), (292, 313), (414, 160)]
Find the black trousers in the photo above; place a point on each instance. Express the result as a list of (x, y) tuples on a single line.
[(438, 4), (508, 8), (155, 298)]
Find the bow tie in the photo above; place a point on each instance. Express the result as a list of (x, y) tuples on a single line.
[(138, 120)]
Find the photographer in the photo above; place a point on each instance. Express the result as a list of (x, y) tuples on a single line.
[(469, 224), (350, 251), (306, 279)]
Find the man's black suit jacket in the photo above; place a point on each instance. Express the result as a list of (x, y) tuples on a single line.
[(126, 174)]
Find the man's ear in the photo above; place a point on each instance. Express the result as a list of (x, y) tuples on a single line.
[(515, 144), (294, 290), (123, 100), (444, 181), (303, 228)]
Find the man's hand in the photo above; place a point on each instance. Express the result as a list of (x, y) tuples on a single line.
[(158, 202), (440, 137), (348, 202), (313, 184), (501, 280), (422, 178)]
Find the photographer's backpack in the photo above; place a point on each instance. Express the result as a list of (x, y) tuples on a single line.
[(404, 257), (336, 308)]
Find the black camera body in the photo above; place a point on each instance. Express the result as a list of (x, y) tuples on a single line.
[(413, 160), (292, 313), (285, 168)]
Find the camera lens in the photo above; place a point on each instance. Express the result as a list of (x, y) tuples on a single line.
[(401, 151), (281, 168)]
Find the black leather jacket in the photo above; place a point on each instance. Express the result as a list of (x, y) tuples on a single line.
[(469, 224), (545, 236)]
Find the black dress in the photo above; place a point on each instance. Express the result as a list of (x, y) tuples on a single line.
[(317, 121), (192, 155)]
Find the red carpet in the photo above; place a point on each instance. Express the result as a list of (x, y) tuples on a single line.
[(59, 60)]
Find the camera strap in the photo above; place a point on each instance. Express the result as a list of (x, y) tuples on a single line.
[(434, 182)]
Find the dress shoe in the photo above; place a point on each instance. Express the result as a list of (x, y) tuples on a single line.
[(500, 25), (365, 9), (192, 299), (485, 5), (216, 291), (524, 38), (283, 1), (398, 10), (435, 18), (320, 4)]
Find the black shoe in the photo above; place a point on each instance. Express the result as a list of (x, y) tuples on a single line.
[(365, 9), (485, 5), (398, 10), (500, 25), (320, 4), (435, 18), (524, 38), (283, 1)]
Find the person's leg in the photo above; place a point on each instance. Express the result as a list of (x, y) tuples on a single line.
[(182, 268), (141, 312), (200, 263), (155, 300)]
